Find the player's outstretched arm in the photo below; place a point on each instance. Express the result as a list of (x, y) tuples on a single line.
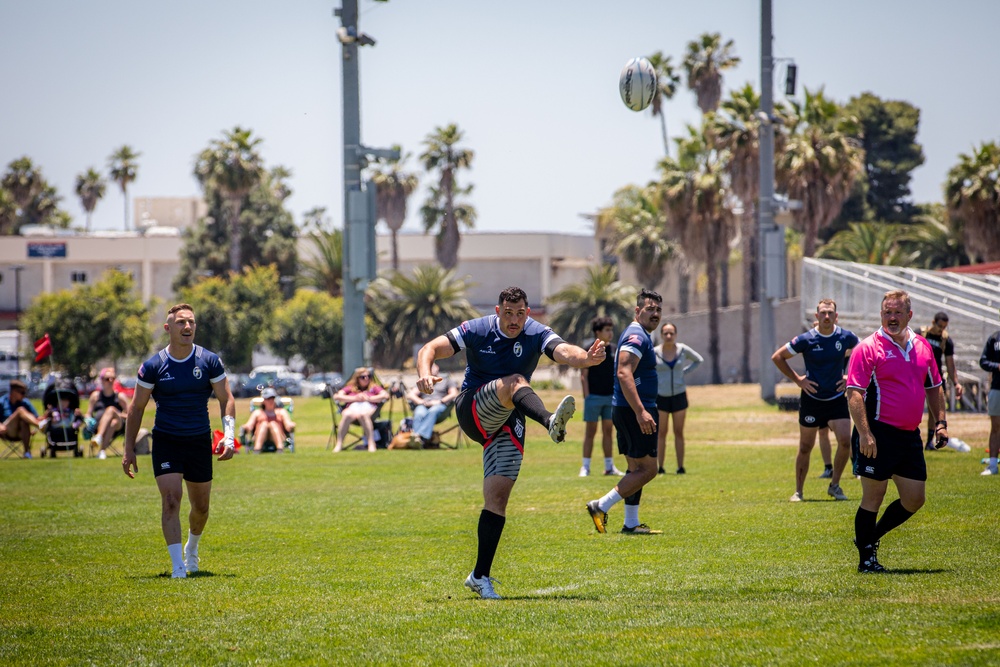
[(577, 357), (438, 348)]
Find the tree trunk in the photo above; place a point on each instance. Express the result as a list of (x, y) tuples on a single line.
[(395, 252), (711, 268), (125, 197), (724, 282), (235, 240), (663, 129), (684, 287)]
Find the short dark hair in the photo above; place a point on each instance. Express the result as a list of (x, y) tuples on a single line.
[(601, 322), (20, 386), (941, 316), (647, 294), (179, 306), (512, 295)]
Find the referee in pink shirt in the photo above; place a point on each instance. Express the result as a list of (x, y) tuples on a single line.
[(889, 374)]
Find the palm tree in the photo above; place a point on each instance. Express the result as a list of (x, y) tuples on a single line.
[(278, 182), (707, 58), (123, 169), (393, 188), (936, 239), (232, 167), (90, 187), (819, 165), (600, 294), (667, 81), (737, 130), (410, 309), (694, 188), (325, 269), (8, 212), (441, 210), (972, 194), (638, 234), (870, 243)]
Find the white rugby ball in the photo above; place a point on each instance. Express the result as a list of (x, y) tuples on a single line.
[(637, 84)]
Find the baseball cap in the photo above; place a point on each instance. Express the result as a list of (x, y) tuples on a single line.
[(269, 392)]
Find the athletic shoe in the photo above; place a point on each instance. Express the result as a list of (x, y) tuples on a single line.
[(929, 447), (102, 455), (827, 473), (483, 586), (985, 473), (641, 529), (179, 573), (557, 424), (584, 471), (681, 471), (190, 562), (600, 518), (614, 471), (869, 559), (835, 491), (661, 471), (796, 498)]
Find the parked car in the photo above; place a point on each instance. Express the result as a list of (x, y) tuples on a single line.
[(319, 384), (126, 385)]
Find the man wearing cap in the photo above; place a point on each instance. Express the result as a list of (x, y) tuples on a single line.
[(17, 416), (272, 422)]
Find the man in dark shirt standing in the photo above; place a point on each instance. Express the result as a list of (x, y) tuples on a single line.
[(944, 351), (598, 384), (990, 361)]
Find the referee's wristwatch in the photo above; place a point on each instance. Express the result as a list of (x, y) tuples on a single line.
[(941, 423)]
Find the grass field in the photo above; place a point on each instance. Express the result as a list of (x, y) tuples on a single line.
[(358, 558)]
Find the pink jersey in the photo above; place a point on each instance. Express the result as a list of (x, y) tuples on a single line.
[(894, 378)]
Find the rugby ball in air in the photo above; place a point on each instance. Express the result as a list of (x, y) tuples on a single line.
[(637, 84)]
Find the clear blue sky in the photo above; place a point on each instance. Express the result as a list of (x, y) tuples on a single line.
[(532, 83)]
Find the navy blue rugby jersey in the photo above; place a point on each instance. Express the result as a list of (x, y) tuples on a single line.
[(636, 341), (824, 357), (181, 389), (490, 354)]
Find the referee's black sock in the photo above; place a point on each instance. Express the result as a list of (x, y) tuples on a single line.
[(894, 515), (490, 529), (864, 528), (527, 401)]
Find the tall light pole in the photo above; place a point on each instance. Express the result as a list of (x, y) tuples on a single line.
[(359, 197), (772, 236)]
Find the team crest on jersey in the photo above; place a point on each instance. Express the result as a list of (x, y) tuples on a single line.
[(839, 346), (196, 372), (517, 349)]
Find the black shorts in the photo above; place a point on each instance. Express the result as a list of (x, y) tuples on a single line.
[(814, 413), (189, 455), (898, 452), (632, 442), (672, 403)]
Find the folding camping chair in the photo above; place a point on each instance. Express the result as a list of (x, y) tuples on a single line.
[(247, 439), (355, 437)]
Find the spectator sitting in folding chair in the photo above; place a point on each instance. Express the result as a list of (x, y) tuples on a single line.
[(430, 409), (17, 417), (272, 422), (360, 398), (105, 418)]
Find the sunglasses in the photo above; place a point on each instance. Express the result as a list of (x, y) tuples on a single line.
[(364, 377), (108, 379)]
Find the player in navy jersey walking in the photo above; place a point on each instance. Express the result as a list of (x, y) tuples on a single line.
[(822, 402), (502, 351), (635, 416), (180, 379)]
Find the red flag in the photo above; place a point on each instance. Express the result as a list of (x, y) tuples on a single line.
[(43, 348)]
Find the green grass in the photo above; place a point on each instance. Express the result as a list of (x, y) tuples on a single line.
[(357, 558)]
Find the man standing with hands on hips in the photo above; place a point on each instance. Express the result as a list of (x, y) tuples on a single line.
[(889, 375), (180, 379)]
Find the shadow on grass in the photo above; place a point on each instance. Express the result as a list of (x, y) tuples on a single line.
[(193, 575), (916, 570)]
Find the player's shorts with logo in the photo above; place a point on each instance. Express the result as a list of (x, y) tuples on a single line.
[(672, 404), (814, 413), (632, 442), (190, 455), (898, 452), (498, 429), (597, 407)]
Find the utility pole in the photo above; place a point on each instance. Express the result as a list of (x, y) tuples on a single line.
[(17, 268), (772, 236), (359, 197)]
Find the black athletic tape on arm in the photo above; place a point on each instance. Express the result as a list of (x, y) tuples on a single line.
[(454, 343), (550, 349)]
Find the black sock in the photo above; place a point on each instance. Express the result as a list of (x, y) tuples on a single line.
[(828, 466), (864, 528), (527, 401), (894, 515), (634, 498), (490, 529)]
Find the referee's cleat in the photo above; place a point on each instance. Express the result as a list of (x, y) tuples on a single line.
[(835, 491), (557, 423), (641, 529), (483, 587), (600, 518), (868, 559)]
